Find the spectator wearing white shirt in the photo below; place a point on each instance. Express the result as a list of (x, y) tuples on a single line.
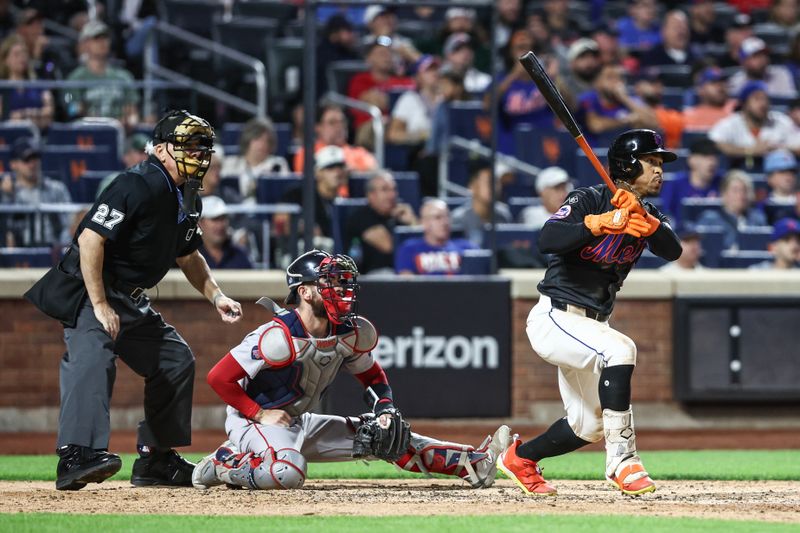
[(552, 185), (460, 57), (755, 62), (412, 115), (755, 129), (256, 158)]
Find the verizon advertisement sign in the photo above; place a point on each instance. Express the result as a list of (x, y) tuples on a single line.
[(445, 346)]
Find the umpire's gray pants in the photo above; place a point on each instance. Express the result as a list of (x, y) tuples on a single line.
[(152, 349)]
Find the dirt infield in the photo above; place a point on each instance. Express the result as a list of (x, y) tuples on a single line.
[(774, 501)]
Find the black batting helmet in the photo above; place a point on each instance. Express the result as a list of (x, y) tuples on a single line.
[(623, 156)]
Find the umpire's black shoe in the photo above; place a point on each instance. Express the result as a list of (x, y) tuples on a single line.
[(165, 468), (79, 465)]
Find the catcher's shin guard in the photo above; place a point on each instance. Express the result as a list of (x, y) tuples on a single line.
[(476, 466), (623, 466), (282, 469)]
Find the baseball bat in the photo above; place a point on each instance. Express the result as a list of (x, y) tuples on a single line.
[(556, 102)]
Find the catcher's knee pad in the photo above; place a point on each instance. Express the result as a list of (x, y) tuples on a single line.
[(622, 351), (282, 469)]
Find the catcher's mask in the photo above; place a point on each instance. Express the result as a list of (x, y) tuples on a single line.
[(336, 280), (625, 151)]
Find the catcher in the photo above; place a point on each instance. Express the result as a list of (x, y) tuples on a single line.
[(277, 375), (595, 237)]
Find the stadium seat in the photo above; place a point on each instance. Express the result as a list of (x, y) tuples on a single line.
[(397, 156), (26, 257), (585, 174), (772, 34), (743, 258), (778, 209), (83, 190), (277, 10), (403, 233), (454, 202), (545, 148), (69, 163), (105, 134), (691, 208), (342, 209), (754, 238), (675, 76), (270, 189), (407, 187), (12, 130), (248, 35), (192, 15), (518, 203), (711, 239), (5, 158), (476, 262), (517, 235), (338, 74), (231, 131), (463, 118)]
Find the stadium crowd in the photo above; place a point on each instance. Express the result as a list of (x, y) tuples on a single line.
[(719, 81)]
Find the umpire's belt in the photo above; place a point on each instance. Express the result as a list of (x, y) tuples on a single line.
[(578, 310), (131, 291)]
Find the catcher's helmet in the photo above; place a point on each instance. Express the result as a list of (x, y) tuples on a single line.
[(335, 277), (192, 139), (623, 156)]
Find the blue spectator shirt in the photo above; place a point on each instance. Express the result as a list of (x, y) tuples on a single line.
[(590, 101), (673, 191), (521, 104), (731, 224), (419, 257), (630, 36), (232, 257)]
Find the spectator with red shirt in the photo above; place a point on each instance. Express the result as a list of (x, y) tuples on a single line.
[(435, 252), (372, 87)]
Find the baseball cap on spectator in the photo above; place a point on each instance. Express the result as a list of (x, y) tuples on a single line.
[(779, 160), (752, 46), (329, 156), (605, 27), (455, 12), (28, 15), (582, 46), (424, 63), (550, 177), (337, 23), (749, 88), (501, 169), (703, 146), (93, 29), (374, 11), (785, 227), (456, 41), (136, 142), (26, 148), (741, 20), (710, 74), (687, 232), (214, 207)]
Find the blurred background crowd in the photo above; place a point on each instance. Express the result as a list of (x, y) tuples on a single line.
[(406, 187)]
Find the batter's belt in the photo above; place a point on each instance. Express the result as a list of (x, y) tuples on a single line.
[(561, 305)]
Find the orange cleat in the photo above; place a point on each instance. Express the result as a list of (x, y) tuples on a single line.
[(633, 480), (524, 472)]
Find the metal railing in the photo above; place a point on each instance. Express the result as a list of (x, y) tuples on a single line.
[(376, 116), (152, 69)]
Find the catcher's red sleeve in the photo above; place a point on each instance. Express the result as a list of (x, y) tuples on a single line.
[(224, 379), (373, 376)]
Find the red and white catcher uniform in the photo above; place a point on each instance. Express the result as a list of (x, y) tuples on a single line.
[(279, 366)]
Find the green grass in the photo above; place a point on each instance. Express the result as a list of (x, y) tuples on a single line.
[(44, 523), (705, 464)]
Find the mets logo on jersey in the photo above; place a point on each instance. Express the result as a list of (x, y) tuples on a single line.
[(563, 212), (610, 250)]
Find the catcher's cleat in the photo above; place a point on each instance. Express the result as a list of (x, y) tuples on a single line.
[(633, 480), (204, 475), (493, 446), (79, 465), (525, 473), (162, 468)]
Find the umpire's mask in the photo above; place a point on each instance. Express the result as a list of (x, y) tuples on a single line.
[(192, 140)]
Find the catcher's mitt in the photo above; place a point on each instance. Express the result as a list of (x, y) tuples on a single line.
[(389, 443)]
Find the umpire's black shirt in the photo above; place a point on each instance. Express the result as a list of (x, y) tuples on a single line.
[(586, 270), (140, 214)]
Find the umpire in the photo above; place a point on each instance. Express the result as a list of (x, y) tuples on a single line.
[(139, 227)]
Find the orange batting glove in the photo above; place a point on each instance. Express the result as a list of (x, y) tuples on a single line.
[(624, 199), (638, 226), (654, 224), (609, 223)]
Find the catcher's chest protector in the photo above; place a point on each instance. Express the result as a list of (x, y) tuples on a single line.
[(296, 369)]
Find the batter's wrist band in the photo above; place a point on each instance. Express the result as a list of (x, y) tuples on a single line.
[(217, 297)]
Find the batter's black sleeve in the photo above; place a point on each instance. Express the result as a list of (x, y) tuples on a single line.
[(565, 230), (664, 242)]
